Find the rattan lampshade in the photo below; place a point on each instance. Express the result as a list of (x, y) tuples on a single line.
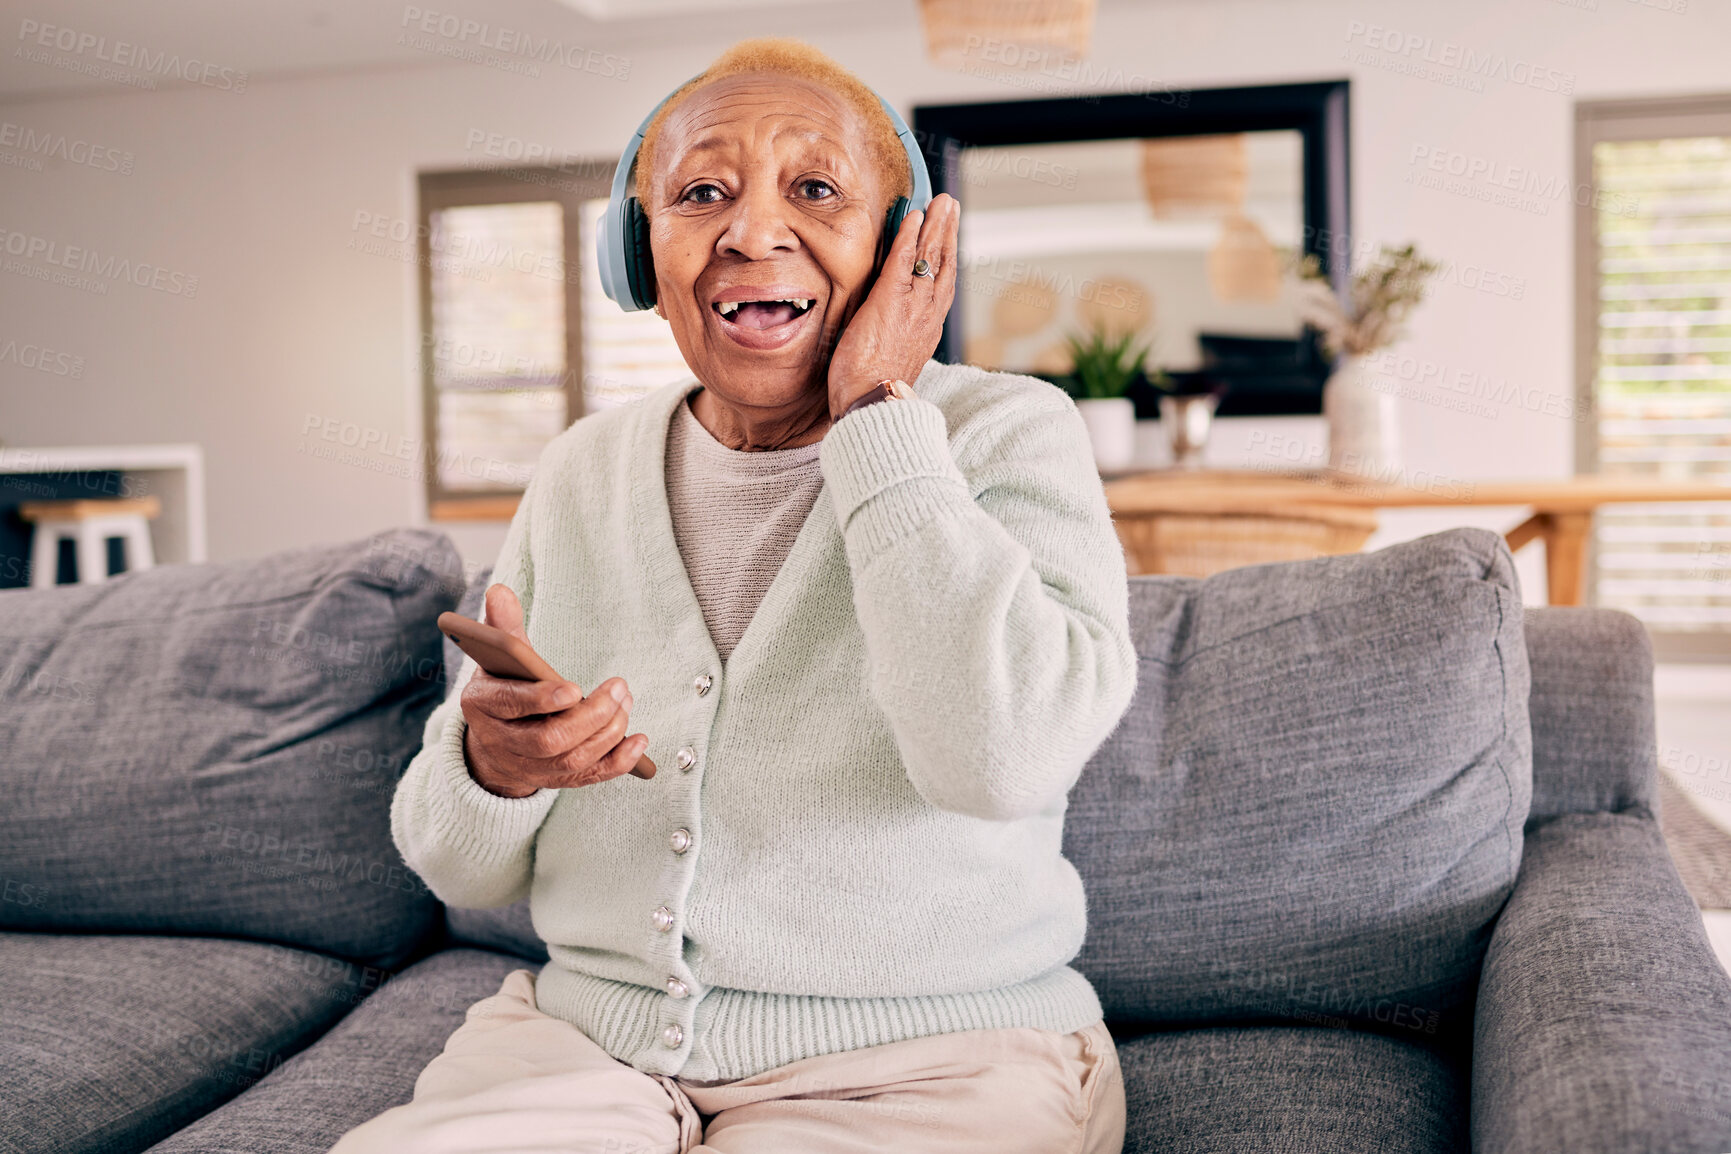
[(1006, 33), (1187, 174), (1243, 265)]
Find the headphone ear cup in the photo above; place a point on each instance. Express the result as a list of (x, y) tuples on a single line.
[(893, 225), (639, 262)]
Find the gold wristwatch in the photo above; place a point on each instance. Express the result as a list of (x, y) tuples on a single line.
[(882, 391)]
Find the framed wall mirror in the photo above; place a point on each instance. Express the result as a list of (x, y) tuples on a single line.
[(1173, 218)]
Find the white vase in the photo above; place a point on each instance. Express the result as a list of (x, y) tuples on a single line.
[(1363, 435), (1111, 430)]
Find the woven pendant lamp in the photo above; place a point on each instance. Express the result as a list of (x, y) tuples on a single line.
[(1184, 175), (1011, 33), (1243, 266), (1190, 176)]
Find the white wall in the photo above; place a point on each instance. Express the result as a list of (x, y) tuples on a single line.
[(256, 195)]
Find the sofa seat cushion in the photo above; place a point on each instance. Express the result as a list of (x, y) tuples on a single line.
[(212, 749), (365, 1065), (1231, 1089), (1314, 804), (110, 1043)]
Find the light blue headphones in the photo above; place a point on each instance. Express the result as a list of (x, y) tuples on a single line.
[(622, 247)]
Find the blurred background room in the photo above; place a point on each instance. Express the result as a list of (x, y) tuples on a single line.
[(283, 273)]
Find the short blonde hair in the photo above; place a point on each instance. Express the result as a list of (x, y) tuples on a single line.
[(776, 56)]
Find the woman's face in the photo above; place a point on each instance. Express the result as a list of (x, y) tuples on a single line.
[(764, 192)]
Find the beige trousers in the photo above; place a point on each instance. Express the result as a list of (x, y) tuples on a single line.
[(512, 1079)]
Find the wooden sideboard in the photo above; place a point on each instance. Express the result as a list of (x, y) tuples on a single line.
[(1200, 522)]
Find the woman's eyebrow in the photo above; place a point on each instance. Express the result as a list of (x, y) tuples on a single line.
[(826, 156), (707, 144)]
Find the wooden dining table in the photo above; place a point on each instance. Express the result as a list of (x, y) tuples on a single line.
[(1199, 522)]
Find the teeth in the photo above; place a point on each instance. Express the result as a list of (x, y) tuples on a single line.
[(728, 308)]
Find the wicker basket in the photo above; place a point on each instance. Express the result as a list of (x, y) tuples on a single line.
[(1203, 544)]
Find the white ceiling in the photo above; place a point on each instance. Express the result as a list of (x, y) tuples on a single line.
[(266, 38)]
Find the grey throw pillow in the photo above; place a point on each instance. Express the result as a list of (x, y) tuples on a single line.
[(1312, 811), (212, 749)]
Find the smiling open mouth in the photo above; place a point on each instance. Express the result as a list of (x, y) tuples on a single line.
[(763, 314)]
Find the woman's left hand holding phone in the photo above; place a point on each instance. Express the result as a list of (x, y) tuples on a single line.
[(525, 735)]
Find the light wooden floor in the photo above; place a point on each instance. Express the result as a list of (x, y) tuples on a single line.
[(1694, 721)]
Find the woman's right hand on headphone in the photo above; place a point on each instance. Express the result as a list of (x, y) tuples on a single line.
[(899, 325), (523, 736)]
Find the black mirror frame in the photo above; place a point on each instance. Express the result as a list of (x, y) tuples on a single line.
[(1317, 111)]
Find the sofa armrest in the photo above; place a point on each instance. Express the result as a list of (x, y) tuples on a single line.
[(1603, 1020), (1591, 708)]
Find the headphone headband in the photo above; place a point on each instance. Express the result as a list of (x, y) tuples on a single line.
[(921, 195), (622, 244)]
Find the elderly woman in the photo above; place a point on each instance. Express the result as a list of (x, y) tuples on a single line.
[(873, 632)]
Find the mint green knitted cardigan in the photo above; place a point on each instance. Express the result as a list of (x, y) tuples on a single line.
[(874, 785)]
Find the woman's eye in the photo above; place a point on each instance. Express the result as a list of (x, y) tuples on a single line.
[(816, 189), (703, 194)]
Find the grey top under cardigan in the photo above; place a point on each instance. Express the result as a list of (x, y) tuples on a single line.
[(735, 517)]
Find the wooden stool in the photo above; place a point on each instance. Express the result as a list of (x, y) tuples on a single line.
[(90, 524)]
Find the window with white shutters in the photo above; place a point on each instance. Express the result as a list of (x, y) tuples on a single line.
[(1660, 365), (518, 340), (624, 354), (498, 342)]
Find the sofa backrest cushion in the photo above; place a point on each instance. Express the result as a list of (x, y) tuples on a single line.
[(212, 749), (508, 929), (1312, 811)]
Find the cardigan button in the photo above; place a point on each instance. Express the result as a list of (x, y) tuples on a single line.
[(662, 918), (702, 684), (672, 1036), (685, 758), (676, 989), (680, 840)]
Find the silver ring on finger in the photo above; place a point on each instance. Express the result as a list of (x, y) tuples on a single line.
[(923, 267)]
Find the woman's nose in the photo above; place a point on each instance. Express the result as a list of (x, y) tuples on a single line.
[(758, 226)]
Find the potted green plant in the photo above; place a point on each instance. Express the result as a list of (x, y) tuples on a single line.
[(1102, 365), (1363, 437)]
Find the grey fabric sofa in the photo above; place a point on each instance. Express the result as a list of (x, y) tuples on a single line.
[(1372, 864)]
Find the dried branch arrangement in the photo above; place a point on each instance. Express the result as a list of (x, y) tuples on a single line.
[(1383, 295)]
